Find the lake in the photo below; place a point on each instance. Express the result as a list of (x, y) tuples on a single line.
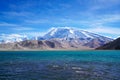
[(60, 65)]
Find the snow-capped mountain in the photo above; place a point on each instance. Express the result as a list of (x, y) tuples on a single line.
[(62, 35), (76, 37), (66, 32), (10, 38)]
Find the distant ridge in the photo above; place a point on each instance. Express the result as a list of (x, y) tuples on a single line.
[(113, 45), (42, 45)]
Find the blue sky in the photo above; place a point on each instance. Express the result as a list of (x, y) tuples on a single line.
[(97, 16)]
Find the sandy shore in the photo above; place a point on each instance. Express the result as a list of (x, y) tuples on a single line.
[(47, 49)]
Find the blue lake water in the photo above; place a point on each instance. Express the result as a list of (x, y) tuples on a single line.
[(60, 65)]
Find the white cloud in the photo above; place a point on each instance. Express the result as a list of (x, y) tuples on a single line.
[(102, 19), (103, 4), (13, 13), (7, 24), (110, 18), (15, 27), (98, 25), (22, 28), (38, 21), (33, 34), (108, 30), (10, 36)]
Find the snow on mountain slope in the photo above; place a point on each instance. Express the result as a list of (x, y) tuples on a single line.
[(10, 38), (66, 32)]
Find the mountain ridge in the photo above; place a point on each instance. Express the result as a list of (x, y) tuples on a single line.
[(113, 45), (61, 38)]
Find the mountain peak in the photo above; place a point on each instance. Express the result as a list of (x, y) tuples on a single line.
[(53, 30), (68, 32)]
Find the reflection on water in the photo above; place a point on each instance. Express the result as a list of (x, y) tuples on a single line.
[(37, 69)]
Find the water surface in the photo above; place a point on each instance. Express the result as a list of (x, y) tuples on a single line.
[(60, 65)]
